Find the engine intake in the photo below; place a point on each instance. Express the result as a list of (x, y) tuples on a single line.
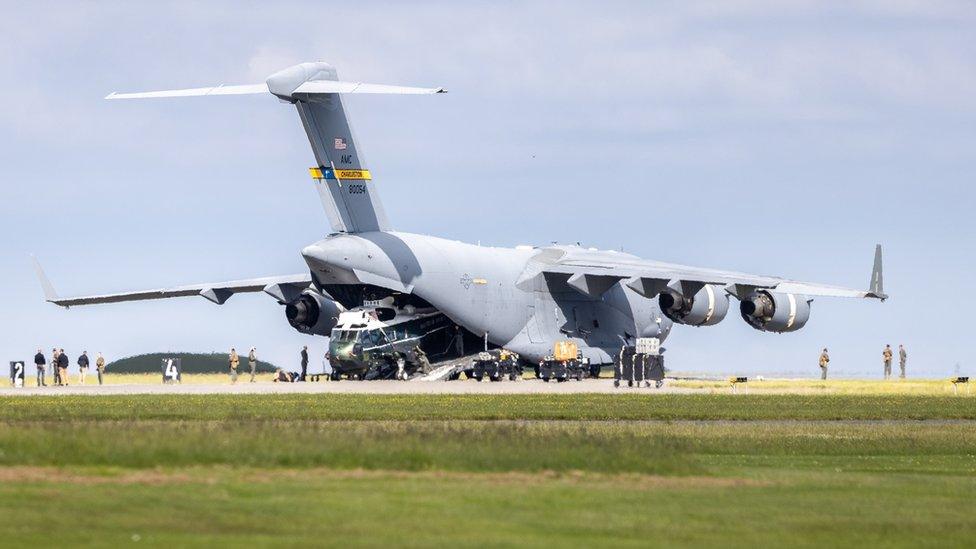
[(707, 307), (775, 312), (312, 313)]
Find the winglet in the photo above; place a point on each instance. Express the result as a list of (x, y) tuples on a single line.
[(876, 288), (50, 295)]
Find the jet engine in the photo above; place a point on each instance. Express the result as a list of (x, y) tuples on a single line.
[(313, 313), (775, 312), (707, 307)]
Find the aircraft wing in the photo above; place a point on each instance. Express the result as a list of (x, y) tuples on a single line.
[(283, 288), (593, 273)]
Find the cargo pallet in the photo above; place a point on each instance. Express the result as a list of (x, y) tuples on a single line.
[(638, 368)]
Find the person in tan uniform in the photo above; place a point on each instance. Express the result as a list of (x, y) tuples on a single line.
[(886, 355), (234, 361), (54, 366), (902, 360), (100, 367), (252, 362), (824, 361)]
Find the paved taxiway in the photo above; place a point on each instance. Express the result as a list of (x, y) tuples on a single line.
[(532, 386)]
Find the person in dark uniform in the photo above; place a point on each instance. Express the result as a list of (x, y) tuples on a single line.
[(83, 367), (40, 363), (304, 363), (63, 363)]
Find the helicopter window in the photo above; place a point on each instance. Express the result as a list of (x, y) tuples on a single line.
[(376, 338), (385, 313)]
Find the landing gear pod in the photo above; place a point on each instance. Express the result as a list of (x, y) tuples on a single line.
[(707, 307), (775, 312), (313, 313)]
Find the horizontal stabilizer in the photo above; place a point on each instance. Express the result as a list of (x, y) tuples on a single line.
[(193, 92), (307, 88), (334, 86)]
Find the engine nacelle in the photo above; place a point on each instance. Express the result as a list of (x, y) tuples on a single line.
[(312, 313), (707, 307), (775, 312)]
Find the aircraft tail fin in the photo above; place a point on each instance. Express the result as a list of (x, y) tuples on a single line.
[(341, 175)]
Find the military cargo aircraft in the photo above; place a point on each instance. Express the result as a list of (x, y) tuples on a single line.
[(523, 298)]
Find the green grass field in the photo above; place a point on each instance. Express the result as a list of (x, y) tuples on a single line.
[(502, 470)]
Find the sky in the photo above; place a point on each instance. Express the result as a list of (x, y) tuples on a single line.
[(782, 138)]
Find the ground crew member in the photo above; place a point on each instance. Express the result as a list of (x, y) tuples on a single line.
[(304, 363), (82, 367), (421, 359), (283, 376), (902, 359), (39, 363), (63, 363), (54, 366), (824, 361), (252, 361), (458, 341), (100, 367), (327, 366), (886, 355), (234, 361)]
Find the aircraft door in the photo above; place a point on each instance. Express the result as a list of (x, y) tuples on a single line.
[(532, 326), (586, 321)]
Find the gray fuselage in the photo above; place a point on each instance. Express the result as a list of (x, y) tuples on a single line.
[(500, 293)]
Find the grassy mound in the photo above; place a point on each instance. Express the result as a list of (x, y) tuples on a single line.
[(193, 363)]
